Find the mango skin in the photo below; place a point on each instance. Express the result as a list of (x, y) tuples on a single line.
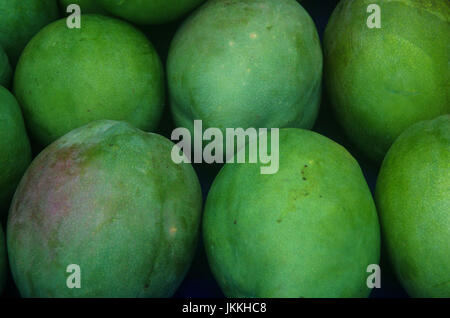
[(21, 20), (86, 6), (309, 230), (67, 78), (413, 199), (242, 63), (109, 198), (381, 81), (15, 154), (5, 69), (149, 11), (3, 261)]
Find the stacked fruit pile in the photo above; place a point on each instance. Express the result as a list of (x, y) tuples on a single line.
[(94, 205)]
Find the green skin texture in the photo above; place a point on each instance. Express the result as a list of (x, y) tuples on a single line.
[(15, 155), (86, 6), (21, 20), (149, 11), (109, 198), (381, 81), (5, 69), (242, 63), (413, 199), (3, 260), (309, 230), (67, 78)]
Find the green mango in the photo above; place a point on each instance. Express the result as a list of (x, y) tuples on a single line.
[(86, 6), (310, 230), (15, 154), (413, 199), (3, 261), (381, 81), (5, 69), (243, 63), (108, 198), (107, 69), (149, 11), (20, 20)]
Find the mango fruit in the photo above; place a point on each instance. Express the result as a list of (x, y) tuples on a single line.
[(309, 230), (107, 69), (106, 197), (243, 63), (21, 20), (413, 199), (382, 80), (149, 11), (5, 69), (15, 154)]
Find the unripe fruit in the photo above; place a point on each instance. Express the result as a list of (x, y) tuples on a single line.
[(107, 69), (382, 80), (413, 200), (310, 230), (246, 63)]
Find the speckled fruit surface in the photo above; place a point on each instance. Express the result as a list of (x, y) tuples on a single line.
[(108, 198), (381, 81), (413, 199), (242, 63), (67, 78), (310, 230), (21, 20)]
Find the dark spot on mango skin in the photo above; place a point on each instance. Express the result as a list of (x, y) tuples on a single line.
[(303, 172), (234, 222)]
